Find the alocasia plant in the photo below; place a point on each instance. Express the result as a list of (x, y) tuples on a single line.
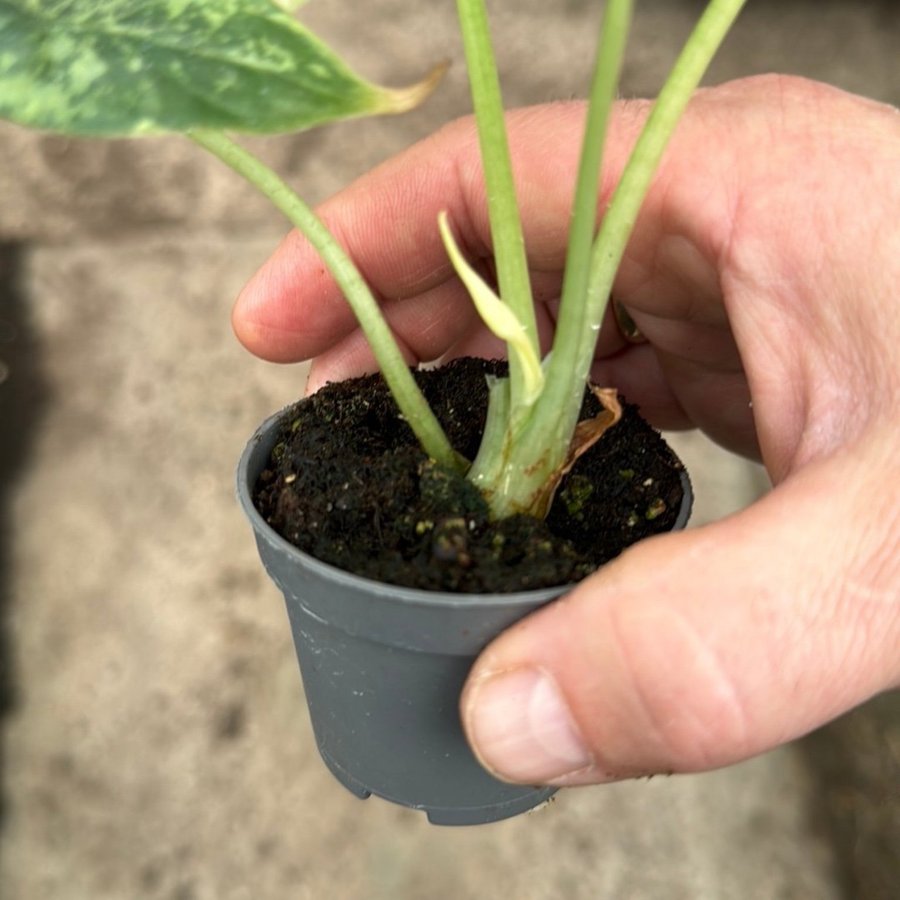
[(115, 68)]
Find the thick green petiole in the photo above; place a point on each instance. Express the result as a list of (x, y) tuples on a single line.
[(393, 366), (558, 412), (565, 381), (513, 279)]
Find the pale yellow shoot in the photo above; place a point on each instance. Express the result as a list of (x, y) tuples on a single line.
[(497, 315), (400, 100)]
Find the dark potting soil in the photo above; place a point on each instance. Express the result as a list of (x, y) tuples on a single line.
[(348, 484)]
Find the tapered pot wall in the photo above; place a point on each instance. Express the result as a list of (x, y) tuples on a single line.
[(383, 668)]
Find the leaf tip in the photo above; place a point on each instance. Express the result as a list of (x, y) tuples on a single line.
[(399, 100)]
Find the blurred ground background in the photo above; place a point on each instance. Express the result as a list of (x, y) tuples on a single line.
[(155, 742)]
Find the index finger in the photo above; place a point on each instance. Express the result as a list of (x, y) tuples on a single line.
[(387, 222)]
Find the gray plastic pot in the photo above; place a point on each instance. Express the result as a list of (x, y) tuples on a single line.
[(383, 669)]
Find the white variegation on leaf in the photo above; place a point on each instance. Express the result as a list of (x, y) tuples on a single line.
[(125, 67)]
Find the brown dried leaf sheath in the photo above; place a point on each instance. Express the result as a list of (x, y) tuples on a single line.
[(587, 433)]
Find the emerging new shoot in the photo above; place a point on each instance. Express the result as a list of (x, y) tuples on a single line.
[(499, 318)]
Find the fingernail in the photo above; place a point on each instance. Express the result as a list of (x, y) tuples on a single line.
[(522, 729)]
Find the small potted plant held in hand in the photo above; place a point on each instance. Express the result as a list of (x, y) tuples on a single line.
[(407, 517)]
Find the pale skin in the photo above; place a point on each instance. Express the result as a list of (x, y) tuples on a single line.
[(764, 273)]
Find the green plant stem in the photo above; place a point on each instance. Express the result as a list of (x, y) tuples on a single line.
[(403, 387), (544, 440), (506, 226), (574, 316), (619, 222), (488, 464)]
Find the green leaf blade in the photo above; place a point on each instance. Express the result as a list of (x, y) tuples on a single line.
[(125, 67)]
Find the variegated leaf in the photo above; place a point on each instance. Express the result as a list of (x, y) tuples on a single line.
[(125, 67)]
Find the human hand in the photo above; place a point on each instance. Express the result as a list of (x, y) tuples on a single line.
[(763, 273)]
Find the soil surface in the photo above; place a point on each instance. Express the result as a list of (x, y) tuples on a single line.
[(348, 483)]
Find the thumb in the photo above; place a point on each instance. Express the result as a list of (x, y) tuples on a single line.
[(699, 649)]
